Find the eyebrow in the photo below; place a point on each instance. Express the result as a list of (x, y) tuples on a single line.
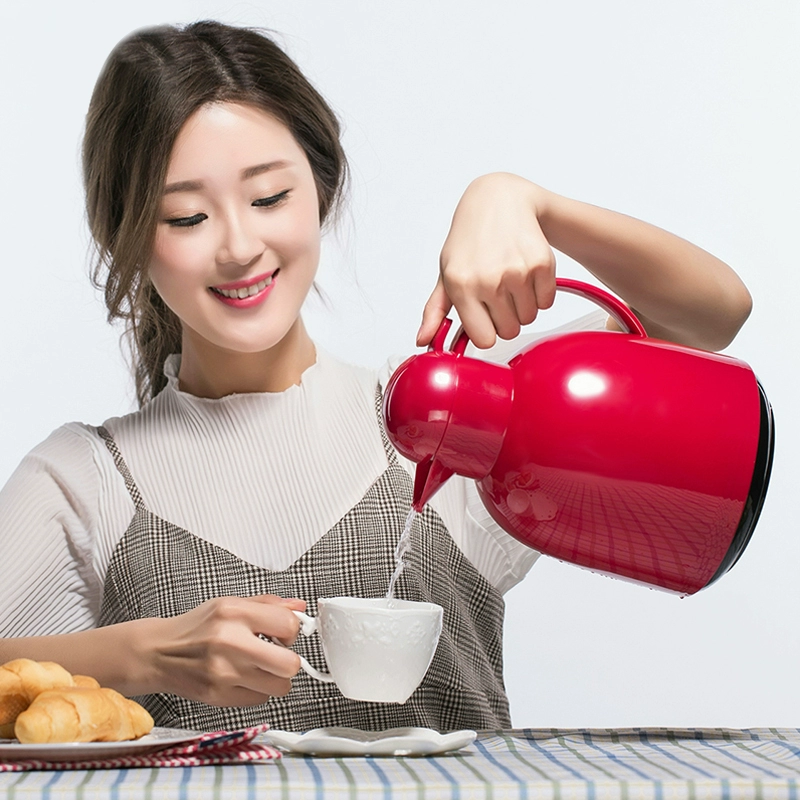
[(250, 172), (259, 169)]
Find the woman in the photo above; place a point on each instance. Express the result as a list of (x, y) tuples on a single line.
[(161, 551)]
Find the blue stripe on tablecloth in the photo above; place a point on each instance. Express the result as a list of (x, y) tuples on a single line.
[(724, 783), (186, 779), (511, 744), (118, 781), (757, 753), (792, 748), (725, 751), (251, 781), (387, 786), (523, 788), (587, 737), (46, 788), (562, 740), (791, 782), (642, 757), (317, 775), (464, 761), (550, 757), (455, 789), (643, 737)]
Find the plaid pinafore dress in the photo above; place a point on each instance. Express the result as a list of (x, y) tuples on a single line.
[(160, 570)]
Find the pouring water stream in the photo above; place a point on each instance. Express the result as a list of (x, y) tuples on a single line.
[(401, 550)]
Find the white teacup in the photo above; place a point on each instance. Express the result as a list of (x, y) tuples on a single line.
[(377, 649)]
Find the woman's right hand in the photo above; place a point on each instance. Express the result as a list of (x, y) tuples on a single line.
[(496, 266), (216, 652)]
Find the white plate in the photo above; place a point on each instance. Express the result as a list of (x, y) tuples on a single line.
[(353, 742), (157, 739)]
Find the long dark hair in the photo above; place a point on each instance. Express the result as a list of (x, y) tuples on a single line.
[(152, 82)]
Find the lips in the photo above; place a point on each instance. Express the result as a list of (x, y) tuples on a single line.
[(244, 294)]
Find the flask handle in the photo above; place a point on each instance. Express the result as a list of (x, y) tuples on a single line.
[(613, 305)]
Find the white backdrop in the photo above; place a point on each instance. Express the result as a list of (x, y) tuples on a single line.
[(684, 114)]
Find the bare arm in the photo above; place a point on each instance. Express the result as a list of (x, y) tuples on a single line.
[(498, 269), (212, 653)]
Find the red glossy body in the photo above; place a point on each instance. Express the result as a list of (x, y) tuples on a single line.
[(620, 453)]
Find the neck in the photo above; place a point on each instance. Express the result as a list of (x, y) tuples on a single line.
[(213, 372)]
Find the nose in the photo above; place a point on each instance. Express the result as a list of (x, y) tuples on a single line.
[(239, 242)]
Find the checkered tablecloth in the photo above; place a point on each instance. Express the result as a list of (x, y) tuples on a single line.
[(631, 763)]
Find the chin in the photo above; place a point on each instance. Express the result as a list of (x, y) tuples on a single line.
[(243, 339), (251, 345)]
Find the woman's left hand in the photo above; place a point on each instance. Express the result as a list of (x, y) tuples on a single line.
[(496, 266)]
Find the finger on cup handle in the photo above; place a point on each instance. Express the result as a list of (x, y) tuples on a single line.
[(292, 603), (308, 626), (275, 627)]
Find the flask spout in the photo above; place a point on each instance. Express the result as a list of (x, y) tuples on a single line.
[(447, 413), (428, 479)]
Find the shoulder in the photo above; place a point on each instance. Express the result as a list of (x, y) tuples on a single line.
[(54, 511), (70, 471), (330, 365), (346, 383), (72, 446)]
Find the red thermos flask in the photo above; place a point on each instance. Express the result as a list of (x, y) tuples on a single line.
[(634, 457)]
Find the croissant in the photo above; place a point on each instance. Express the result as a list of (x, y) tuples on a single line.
[(82, 715), (22, 680)]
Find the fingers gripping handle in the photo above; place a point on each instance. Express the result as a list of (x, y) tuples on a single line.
[(615, 307), (308, 627)]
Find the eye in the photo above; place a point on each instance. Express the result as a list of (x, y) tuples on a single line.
[(186, 222), (274, 200)]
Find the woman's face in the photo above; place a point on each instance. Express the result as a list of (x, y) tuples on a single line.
[(238, 239)]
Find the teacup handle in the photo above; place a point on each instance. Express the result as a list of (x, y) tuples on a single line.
[(308, 627)]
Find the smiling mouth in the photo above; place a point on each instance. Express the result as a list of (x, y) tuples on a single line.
[(245, 291)]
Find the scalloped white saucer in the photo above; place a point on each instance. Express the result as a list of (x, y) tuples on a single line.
[(353, 742)]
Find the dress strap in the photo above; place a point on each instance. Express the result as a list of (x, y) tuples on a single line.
[(391, 454), (122, 467)]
